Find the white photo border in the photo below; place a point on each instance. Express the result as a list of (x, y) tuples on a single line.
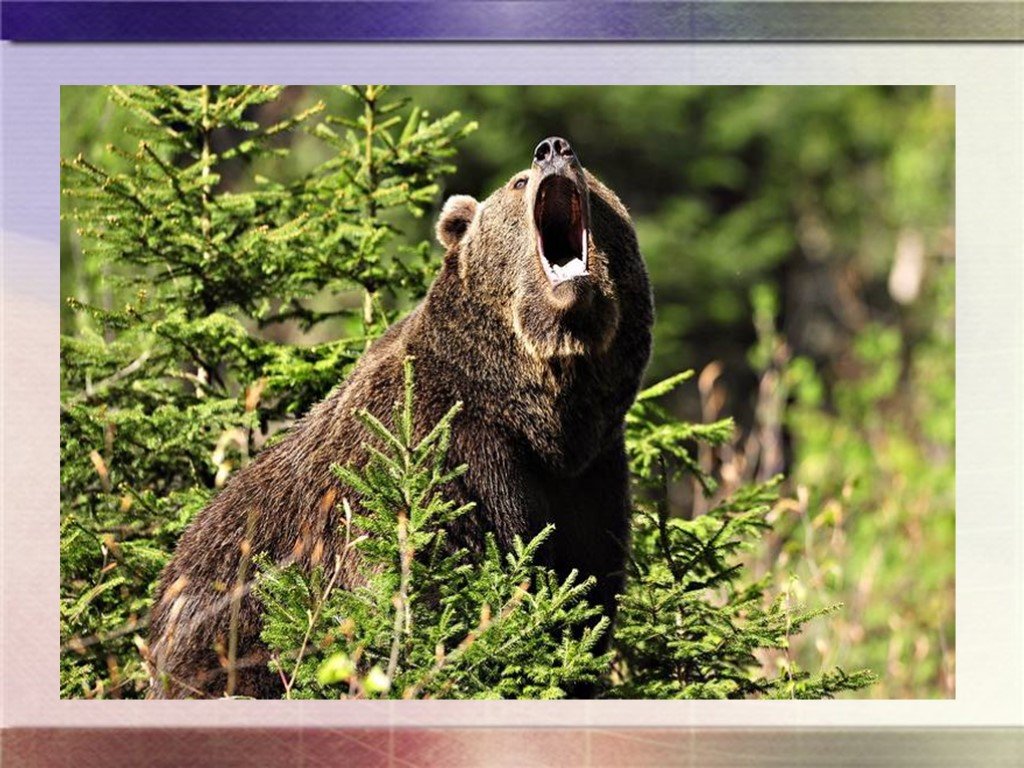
[(989, 92)]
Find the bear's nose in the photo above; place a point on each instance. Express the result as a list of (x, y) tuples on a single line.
[(551, 148)]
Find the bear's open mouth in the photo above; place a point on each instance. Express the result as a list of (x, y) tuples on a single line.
[(561, 229)]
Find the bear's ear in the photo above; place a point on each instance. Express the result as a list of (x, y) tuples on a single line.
[(455, 218)]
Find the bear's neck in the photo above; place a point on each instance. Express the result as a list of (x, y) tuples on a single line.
[(558, 405)]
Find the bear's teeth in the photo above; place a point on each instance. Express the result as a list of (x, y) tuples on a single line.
[(574, 268), (559, 273)]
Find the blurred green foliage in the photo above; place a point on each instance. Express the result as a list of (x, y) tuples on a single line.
[(873, 523), (800, 243)]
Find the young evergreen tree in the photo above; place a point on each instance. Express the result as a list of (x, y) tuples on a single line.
[(691, 620), (168, 384), (172, 380), (429, 622)]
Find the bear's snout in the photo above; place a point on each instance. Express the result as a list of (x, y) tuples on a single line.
[(553, 154)]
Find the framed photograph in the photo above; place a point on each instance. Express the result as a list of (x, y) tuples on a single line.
[(489, 383)]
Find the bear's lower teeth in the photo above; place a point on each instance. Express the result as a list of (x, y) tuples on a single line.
[(574, 268), (559, 273)]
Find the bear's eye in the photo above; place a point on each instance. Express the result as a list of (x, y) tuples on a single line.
[(520, 183)]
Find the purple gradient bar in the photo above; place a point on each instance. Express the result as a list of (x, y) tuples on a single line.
[(539, 20)]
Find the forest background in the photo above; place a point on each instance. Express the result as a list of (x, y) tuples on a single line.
[(800, 242)]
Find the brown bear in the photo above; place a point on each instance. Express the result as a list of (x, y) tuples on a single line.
[(539, 322)]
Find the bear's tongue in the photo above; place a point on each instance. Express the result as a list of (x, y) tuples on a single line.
[(562, 236)]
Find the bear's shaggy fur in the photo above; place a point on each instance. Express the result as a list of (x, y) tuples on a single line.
[(545, 371)]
